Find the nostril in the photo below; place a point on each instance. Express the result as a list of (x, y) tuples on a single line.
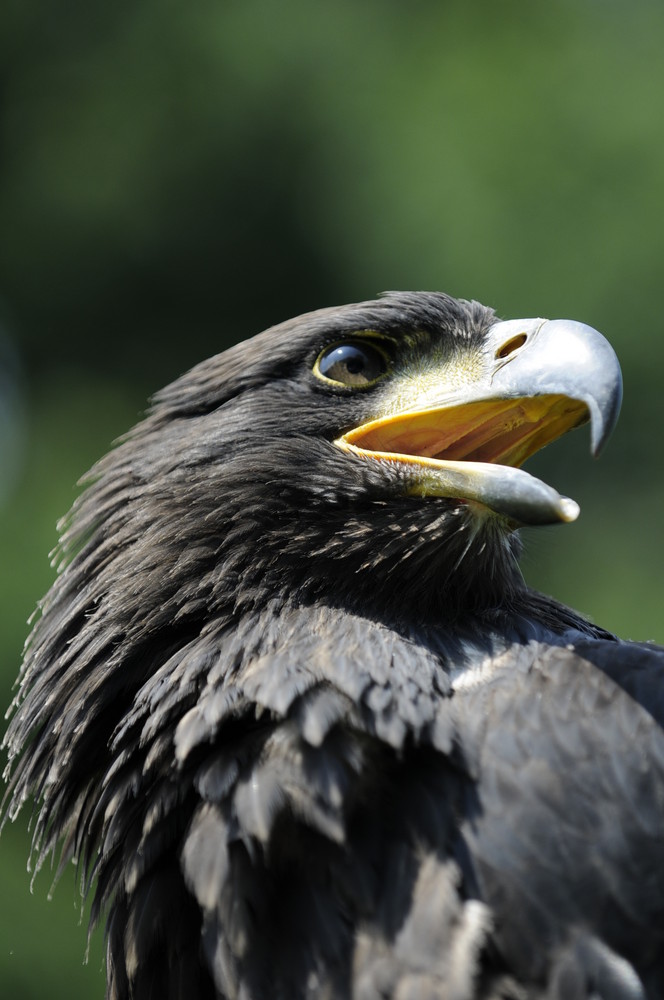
[(512, 345)]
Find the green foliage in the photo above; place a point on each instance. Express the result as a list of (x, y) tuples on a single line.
[(174, 177)]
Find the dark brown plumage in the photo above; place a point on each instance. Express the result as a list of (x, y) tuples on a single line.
[(291, 703)]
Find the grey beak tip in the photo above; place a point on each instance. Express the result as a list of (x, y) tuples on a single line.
[(593, 374), (605, 406), (563, 356)]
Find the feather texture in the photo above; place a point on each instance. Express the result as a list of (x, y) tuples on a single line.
[(313, 736)]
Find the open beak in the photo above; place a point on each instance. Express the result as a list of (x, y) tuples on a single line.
[(543, 378)]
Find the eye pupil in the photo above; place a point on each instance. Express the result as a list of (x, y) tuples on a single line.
[(354, 363)]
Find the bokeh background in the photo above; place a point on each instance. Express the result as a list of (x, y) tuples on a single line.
[(177, 176)]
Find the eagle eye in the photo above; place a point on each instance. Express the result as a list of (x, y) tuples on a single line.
[(353, 363)]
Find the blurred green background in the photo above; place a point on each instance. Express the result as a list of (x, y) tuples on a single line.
[(175, 177)]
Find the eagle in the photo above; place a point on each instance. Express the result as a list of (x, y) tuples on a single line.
[(292, 708)]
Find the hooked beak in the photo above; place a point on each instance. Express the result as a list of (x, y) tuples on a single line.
[(541, 379)]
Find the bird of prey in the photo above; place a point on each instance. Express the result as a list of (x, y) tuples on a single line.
[(293, 709)]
